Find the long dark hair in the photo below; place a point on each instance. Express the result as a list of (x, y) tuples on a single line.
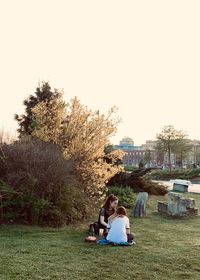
[(109, 199)]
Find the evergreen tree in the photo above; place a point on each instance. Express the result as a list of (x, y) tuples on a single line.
[(26, 121)]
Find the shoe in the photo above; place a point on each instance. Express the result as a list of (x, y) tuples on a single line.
[(132, 243)]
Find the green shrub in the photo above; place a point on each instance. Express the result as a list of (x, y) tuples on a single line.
[(130, 168), (11, 202), (39, 186), (174, 174), (126, 195)]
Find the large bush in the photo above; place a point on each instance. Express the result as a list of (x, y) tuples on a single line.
[(38, 185)]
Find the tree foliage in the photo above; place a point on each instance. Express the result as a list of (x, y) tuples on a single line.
[(182, 147), (26, 121), (171, 140), (81, 133), (38, 185), (147, 157)]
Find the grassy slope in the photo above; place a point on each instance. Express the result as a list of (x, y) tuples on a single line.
[(166, 249)]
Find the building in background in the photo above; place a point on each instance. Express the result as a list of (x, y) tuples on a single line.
[(193, 156), (190, 159), (133, 154), (151, 157), (126, 142)]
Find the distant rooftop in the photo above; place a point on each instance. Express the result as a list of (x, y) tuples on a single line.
[(128, 148), (126, 141)]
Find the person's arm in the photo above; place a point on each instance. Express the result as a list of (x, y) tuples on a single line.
[(128, 226), (102, 217), (102, 221), (108, 228)]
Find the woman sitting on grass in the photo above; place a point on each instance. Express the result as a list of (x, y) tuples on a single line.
[(106, 211), (119, 227)]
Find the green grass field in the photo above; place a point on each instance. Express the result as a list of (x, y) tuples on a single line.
[(166, 249)]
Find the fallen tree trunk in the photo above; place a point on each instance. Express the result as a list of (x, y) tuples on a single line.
[(138, 182)]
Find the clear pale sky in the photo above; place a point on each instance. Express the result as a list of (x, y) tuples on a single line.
[(142, 56)]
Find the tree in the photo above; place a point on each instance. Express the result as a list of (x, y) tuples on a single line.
[(108, 148), (197, 154), (141, 164), (26, 121), (182, 147), (82, 134), (49, 117), (169, 141), (147, 157), (113, 156)]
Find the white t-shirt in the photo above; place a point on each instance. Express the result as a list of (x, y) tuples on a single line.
[(117, 232)]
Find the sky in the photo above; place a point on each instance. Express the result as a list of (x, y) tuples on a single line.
[(141, 56)]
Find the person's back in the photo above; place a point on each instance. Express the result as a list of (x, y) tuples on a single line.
[(118, 229)]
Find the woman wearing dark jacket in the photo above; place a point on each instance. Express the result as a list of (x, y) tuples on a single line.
[(106, 211)]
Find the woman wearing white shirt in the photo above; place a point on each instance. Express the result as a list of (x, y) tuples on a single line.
[(119, 227)]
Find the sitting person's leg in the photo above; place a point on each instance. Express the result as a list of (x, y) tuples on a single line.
[(130, 237), (105, 233)]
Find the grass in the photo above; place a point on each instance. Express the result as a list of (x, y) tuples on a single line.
[(166, 249)]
